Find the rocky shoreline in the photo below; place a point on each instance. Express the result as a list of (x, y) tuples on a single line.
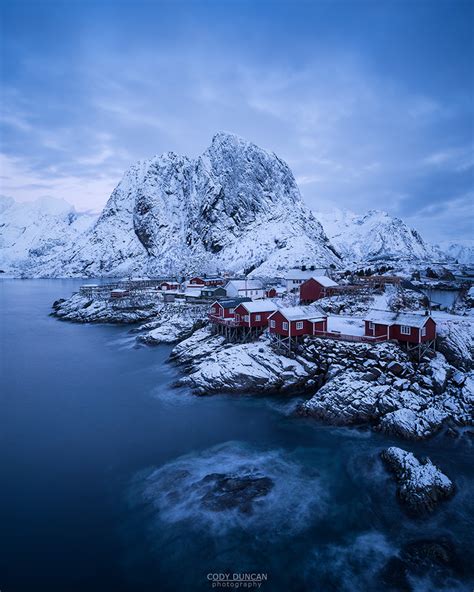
[(349, 383)]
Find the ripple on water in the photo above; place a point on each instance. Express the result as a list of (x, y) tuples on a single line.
[(178, 492)]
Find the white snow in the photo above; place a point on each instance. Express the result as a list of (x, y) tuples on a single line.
[(373, 236), (346, 325)]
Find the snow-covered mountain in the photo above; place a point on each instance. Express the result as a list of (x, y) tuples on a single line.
[(374, 236), (31, 231), (462, 251), (235, 207)]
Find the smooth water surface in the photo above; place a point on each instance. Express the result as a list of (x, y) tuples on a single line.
[(101, 461)]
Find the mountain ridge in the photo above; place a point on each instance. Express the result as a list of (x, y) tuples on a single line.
[(235, 207)]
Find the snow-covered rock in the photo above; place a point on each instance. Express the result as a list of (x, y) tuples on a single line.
[(413, 425), (256, 367), (235, 207), (455, 339), (352, 383), (421, 485), (31, 231), (175, 322), (81, 309), (374, 236)]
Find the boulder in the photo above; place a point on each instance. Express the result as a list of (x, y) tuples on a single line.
[(421, 485), (240, 492)]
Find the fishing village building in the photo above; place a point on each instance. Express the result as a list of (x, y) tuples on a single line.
[(316, 287)]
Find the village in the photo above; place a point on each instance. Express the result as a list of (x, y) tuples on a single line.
[(287, 309)]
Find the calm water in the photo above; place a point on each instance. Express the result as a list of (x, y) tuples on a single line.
[(93, 440)]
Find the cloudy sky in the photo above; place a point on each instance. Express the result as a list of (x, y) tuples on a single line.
[(370, 102)]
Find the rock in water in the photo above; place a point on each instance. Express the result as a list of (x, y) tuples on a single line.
[(234, 491), (421, 485)]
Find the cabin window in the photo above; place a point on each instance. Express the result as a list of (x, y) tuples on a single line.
[(371, 325), (299, 325), (272, 324), (213, 310), (423, 332), (285, 326), (246, 318), (237, 317), (258, 317), (405, 330)]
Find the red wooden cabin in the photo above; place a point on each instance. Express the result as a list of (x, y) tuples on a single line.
[(297, 321), (169, 286), (254, 314), (404, 327), (223, 311), (315, 288)]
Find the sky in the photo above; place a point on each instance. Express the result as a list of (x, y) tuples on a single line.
[(371, 103)]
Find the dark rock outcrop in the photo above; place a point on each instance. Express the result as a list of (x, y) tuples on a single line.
[(421, 485)]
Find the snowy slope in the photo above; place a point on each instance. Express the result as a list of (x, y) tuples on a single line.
[(30, 231), (235, 207), (462, 251), (373, 236)]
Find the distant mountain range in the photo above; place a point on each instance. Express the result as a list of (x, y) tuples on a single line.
[(374, 236), (236, 207)]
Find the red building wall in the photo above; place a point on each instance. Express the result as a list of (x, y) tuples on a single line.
[(395, 332), (220, 311), (263, 322), (306, 330), (196, 281), (380, 330), (311, 290)]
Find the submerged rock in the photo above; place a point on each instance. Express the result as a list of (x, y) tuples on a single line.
[(230, 491), (421, 485)]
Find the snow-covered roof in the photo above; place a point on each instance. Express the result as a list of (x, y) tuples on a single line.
[(298, 274), (385, 317), (231, 302), (470, 292), (297, 313), (259, 306), (324, 281), (118, 291), (245, 284), (193, 292), (90, 286)]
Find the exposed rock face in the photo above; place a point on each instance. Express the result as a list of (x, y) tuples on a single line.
[(234, 207), (421, 485)]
